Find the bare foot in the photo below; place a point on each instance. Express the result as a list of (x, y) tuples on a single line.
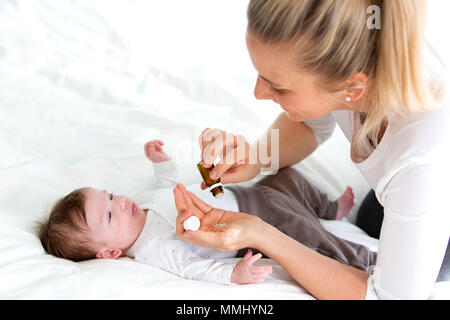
[(345, 203)]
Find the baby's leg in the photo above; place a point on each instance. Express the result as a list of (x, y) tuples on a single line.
[(345, 203), (292, 183), (297, 220), (293, 219)]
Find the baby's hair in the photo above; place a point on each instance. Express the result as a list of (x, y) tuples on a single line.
[(65, 234)]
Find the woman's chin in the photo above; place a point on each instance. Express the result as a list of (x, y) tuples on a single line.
[(293, 117)]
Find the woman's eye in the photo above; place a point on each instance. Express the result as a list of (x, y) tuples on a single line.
[(279, 91)]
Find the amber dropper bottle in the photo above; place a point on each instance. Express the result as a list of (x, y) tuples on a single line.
[(214, 185)]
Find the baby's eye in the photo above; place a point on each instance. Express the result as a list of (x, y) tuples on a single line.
[(109, 216), (110, 196)]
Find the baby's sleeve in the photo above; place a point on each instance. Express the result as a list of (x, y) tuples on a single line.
[(175, 256), (165, 174)]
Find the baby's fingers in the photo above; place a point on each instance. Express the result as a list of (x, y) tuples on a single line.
[(248, 254), (261, 270), (147, 147), (258, 277), (257, 280), (254, 258)]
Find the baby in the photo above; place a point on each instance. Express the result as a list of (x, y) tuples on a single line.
[(90, 223)]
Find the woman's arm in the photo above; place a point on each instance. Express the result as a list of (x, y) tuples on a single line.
[(322, 277), (223, 230), (296, 140)]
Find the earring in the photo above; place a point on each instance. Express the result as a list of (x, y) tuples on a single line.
[(348, 99)]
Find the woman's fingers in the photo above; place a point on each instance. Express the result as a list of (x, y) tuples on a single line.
[(188, 204), (198, 203), (199, 208), (201, 138), (203, 238), (211, 151), (233, 151), (208, 137), (219, 170), (214, 143), (183, 210)]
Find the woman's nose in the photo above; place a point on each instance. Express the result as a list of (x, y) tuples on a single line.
[(262, 90)]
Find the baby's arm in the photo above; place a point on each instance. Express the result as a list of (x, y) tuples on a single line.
[(175, 256), (164, 167)]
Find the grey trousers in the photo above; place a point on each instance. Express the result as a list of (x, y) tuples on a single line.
[(291, 204)]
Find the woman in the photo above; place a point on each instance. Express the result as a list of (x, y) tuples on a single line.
[(322, 64)]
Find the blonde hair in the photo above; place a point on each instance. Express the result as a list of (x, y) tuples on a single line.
[(331, 38)]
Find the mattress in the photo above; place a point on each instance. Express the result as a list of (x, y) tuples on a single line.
[(84, 85)]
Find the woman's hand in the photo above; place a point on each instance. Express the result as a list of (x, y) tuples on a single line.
[(235, 165), (219, 229)]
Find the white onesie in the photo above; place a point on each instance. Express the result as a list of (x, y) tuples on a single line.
[(158, 244)]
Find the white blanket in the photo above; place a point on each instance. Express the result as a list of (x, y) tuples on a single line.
[(84, 84)]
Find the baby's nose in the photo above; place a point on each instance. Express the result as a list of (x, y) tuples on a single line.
[(124, 204)]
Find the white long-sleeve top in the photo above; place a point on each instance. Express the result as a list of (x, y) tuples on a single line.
[(409, 171), (158, 244)]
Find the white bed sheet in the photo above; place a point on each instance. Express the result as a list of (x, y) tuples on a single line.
[(84, 85)]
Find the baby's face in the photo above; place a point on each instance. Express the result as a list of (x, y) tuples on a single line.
[(114, 220)]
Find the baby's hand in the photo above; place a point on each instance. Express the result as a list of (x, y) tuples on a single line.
[(244, 272), (154, 151)]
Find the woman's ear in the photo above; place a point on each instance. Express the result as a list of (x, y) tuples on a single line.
[(109, 254), (356, 86)]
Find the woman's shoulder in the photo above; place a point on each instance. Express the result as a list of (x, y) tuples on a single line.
[(418, 154), (425, 131)]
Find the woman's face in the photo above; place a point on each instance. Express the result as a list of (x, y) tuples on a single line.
[(279, 80)]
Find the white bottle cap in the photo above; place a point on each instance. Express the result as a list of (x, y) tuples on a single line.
[(191, 223), (219, 196)]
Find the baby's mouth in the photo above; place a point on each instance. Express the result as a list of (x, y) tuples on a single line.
[(134, 209)]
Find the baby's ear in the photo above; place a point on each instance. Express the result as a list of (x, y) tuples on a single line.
[(109, 254)]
